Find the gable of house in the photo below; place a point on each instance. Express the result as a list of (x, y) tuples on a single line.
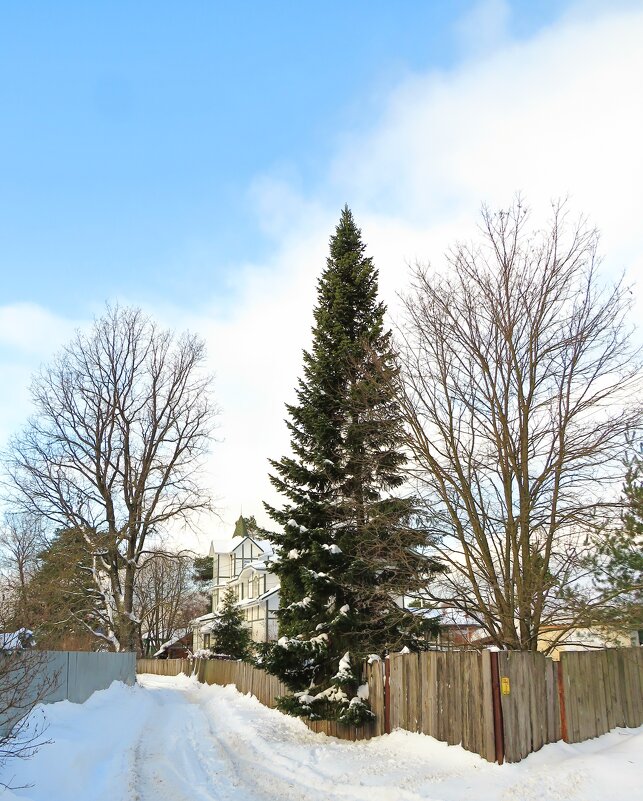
[(242, 562)]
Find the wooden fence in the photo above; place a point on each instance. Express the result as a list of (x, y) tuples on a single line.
[(165, 667), (601, 690), (247, 679), (446, 694), (526, 703), (501, 705)]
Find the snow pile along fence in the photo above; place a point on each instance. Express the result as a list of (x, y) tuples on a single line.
[(500, 705), (245, 677)]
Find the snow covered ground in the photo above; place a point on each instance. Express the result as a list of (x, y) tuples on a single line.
[(171, 739)]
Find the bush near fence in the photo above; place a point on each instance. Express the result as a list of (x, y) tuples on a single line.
[(500, 705)]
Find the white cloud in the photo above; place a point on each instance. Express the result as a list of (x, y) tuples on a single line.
[(29, 336), (28, 328), (484, 28)]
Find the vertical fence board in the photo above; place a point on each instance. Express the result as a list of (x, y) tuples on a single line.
[(430, 694), (374, 676), (396, 691), (488, 741), (454, 697), (411, 683)]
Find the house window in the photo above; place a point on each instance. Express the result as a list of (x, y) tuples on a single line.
[(206, 640)]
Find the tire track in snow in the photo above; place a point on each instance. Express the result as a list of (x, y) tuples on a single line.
[(168, 764), (270, 774)]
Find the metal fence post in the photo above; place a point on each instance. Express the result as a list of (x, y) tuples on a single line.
[(498, 724)]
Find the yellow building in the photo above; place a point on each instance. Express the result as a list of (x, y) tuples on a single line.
[(583, 639)]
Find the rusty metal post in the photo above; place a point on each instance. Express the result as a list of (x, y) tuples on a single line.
[(498, 724)]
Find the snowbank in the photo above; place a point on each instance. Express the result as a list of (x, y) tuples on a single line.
[(173, 738)]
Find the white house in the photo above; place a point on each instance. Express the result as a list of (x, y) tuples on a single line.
[(243, 563)]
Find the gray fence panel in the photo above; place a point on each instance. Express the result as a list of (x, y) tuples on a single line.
[(56, 669), (66, 675), (27, 678), (89, 672)]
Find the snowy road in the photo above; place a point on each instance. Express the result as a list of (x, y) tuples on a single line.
[(171, 739)]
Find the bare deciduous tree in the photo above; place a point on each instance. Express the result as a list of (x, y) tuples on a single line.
[(519, 385), (165, 598), (123, 419), (22, 539)]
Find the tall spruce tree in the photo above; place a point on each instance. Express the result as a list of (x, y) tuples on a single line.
[(349, 547)]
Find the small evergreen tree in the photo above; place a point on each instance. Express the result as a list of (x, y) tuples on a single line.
[(230, 636), (349, 545)]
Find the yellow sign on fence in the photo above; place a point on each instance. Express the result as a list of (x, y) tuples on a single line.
[(505, 687)]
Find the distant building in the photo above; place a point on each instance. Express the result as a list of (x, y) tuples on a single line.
[(457, 630), (178, 647), (16, 640), (243, 563), (584, 639)]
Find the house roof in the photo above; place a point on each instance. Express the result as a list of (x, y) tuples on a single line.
[(225, 545), (180, 635), (201, 618), (260, 566), (15, 640), (228, 544)]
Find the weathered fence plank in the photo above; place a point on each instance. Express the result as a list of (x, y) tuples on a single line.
[(374, 677), (603, 689)]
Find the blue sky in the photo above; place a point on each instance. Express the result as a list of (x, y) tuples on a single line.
[(133, 132), (192, 158)]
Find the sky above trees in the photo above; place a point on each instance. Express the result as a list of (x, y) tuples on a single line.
[(193, 161)]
